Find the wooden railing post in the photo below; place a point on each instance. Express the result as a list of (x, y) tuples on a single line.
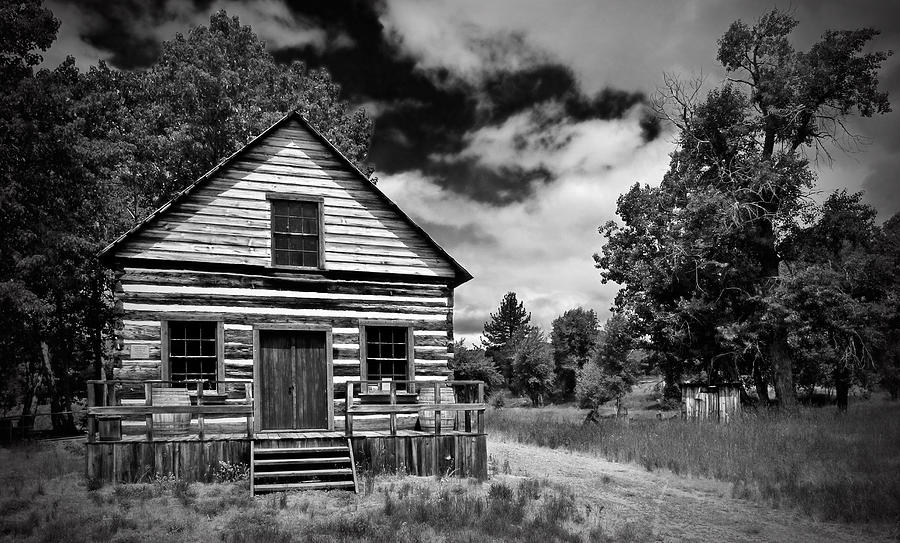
[(393, 402), (437, 412), (201, 418), (348, 416), (91, 419), (148, 400), (468, 412), (480, 415), (248, 399)]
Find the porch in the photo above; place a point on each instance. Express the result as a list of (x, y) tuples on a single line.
[(388, 427)]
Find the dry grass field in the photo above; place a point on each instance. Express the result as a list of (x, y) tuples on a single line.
[(829, 466), (810, 477)]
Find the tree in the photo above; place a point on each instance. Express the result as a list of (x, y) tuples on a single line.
[(503, 331), (208, 94), (700, 255), (834, 294), (54, 168), (84, 155), (532, 367), (573, 337), (612, 372), (472, 365)]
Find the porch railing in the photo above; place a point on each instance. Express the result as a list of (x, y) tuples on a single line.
[(104, 398), (386, 398)]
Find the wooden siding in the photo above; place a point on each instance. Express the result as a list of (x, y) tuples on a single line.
[(150, 296), (226, 220), (415, 453), (717, 403)]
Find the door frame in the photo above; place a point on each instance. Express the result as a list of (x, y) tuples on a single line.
[(298, 327)]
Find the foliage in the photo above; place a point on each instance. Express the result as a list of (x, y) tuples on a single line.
[(699, 257), (532, 367), (612, 371), (85, 155), (208, 94), (834, 294), (472, 365), (230, 472), (503, 332), (573, 337)]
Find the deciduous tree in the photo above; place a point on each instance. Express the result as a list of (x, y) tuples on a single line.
[(573, 337), (700, 254)]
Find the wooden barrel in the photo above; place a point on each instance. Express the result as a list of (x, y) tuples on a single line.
[(171, 423), (426, 418)]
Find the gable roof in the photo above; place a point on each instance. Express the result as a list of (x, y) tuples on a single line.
[(461, 274)]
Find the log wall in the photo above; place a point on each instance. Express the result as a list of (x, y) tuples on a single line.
[(150, 296)]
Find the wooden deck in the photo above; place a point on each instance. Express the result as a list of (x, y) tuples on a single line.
[(269, 436), (136, 459), (142, 450)]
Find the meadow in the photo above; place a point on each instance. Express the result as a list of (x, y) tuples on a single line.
[(834, 467), (45, 498)]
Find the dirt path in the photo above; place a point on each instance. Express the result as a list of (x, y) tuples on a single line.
[(676, 508)]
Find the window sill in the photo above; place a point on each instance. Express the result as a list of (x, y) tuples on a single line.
[(296, 268)]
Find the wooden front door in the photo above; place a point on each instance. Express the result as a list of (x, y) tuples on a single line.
[(293, 380)]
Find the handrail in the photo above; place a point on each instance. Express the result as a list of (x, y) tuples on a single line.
[(393, 408), (107, 405)]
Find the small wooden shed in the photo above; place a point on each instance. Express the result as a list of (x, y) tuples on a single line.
[(704, 401)]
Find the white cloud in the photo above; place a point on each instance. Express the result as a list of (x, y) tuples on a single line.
[(544, 246), (438, 35)]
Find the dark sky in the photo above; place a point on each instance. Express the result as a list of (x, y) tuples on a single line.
[(507, 128)]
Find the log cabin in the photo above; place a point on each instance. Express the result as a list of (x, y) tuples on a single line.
[(283, 312)]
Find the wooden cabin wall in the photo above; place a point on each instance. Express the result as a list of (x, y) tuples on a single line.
[(151, 295), (226, 220)]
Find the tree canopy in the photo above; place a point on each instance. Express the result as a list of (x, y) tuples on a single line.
[(85, 155), (701, 257)]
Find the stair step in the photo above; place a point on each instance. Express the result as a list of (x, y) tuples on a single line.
[(303, 473), (278, 461), (294, 450), (302, 486)]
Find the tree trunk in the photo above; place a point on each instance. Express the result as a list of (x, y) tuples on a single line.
[(762, 386), (783, 368), (842, 388), (779, 353)]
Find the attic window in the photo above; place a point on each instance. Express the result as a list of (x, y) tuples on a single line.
[(296, 231)]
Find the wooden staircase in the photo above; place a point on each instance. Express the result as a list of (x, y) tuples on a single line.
[(302, 468)]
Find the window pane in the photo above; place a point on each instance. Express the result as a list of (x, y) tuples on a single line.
[(281, 241), (295, 233)]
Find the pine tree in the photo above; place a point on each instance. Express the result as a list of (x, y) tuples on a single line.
[(504, 330)]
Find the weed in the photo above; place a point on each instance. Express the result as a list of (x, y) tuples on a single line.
[(229, 472)]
